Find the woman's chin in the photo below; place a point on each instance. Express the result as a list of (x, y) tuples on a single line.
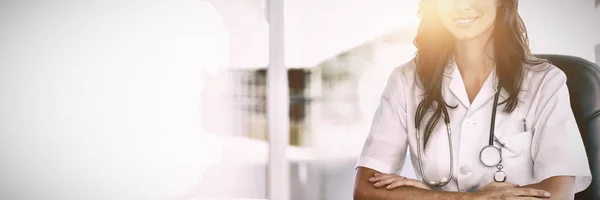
[(465, 36)]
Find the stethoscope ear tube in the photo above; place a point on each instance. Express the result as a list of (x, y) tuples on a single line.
[(443, 181), (493, 120), (490, 155)]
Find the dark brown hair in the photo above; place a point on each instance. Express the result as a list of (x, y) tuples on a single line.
[(435, 49)]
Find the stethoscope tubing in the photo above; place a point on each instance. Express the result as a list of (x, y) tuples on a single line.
[(444, 181)]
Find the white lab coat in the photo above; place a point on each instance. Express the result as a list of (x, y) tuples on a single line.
[(550, 146)]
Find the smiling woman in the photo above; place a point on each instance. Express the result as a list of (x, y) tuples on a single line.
[(474, 73)]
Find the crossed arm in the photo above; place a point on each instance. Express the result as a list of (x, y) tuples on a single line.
[(559, 186)]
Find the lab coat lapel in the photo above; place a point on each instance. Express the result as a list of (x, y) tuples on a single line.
[(486, 93), (490, 87), (457, 86)]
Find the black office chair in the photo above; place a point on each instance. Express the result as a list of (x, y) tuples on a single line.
[(583, 81)]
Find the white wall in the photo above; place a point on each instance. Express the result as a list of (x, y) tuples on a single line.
[(101, 99), (598, 54), (597, 18), (568, 27)]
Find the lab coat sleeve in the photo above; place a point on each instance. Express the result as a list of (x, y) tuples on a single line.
[(386, 144), (557, 148)]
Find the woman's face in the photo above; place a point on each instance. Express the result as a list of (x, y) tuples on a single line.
[(468, 19)]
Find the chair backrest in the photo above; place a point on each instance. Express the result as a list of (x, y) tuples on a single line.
[(583, 81)]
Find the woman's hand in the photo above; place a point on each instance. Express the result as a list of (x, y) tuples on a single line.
[(509, 191), (392, 181)]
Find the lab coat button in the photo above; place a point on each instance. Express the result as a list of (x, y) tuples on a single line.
[(469, 123), (464, 170)]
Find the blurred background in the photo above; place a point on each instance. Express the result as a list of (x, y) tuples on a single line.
[(167, 99)]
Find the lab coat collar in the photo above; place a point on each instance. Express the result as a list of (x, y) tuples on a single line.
[(457, 86), (487, 91), (490, 88)]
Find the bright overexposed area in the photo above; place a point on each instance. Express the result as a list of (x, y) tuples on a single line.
[(191, 99)]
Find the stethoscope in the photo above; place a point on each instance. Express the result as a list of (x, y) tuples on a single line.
[(490, 155)]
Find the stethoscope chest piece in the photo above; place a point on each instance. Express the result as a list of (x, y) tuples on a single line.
[(490, 156)]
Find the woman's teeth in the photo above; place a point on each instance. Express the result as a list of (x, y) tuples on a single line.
[(465, 21)]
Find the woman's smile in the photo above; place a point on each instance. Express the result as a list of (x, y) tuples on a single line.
[(465, 21)]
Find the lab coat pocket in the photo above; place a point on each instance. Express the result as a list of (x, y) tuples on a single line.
[(516, 144)]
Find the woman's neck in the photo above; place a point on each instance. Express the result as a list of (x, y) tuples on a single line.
[(474, 58), (475, 61)]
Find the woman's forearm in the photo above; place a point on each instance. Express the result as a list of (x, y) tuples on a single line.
[(561, 187), (365, 190), (401, 193)]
